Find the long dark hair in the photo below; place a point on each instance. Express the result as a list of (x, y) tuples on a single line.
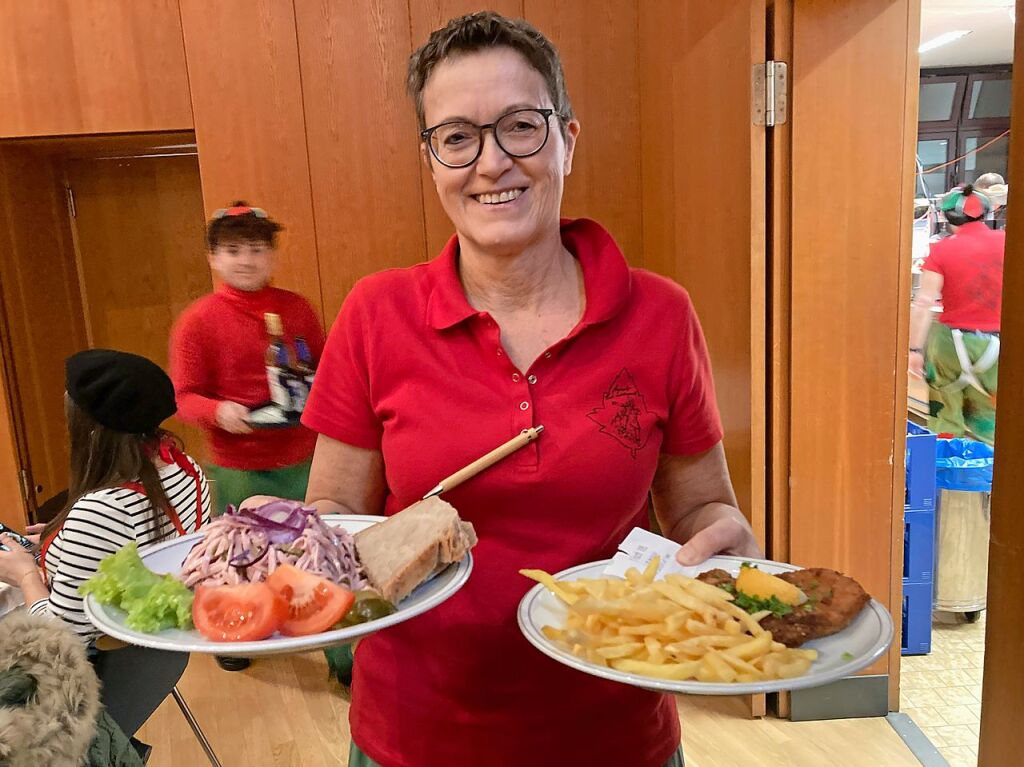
[(102, 458)]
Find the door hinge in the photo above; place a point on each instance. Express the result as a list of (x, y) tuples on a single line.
[(770, 93), (26, 486), (72, 211)]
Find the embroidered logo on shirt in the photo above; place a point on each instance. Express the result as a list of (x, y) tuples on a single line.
[(624, 415)]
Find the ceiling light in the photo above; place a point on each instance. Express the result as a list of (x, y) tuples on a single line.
[(944, 39)]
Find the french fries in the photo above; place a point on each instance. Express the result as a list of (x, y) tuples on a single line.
[(676, 629)]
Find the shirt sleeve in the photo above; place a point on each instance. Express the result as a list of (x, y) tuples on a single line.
[(91, 532), (694, 424), (191, 370), (340, 404), (935, 260)]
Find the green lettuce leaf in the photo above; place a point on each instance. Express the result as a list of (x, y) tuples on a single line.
[(153, 602)]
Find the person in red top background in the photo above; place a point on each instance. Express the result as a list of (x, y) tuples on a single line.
[(523, 320), (958, 355), (217, 362)]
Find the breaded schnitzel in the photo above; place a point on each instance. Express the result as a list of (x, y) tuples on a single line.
[(833, 601)]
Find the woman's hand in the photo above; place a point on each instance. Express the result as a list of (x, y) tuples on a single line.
[(726, 535), (254, 501), (17, 563), (231, 417), (33, 532)]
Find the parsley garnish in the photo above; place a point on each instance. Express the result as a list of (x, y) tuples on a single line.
[(773, 604), (753, 605), (847, 656)]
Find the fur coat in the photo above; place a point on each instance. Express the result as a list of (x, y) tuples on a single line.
[(52, 695)]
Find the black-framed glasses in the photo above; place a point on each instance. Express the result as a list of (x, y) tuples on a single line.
[(459, 144)]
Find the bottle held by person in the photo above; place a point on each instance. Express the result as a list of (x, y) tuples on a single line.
[(278, 362)]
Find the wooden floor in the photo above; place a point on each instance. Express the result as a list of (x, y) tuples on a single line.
[(285, 713)]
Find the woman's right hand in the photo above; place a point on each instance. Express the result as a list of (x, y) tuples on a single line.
[(231, 417)]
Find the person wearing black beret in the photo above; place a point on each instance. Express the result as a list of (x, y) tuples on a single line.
[(129, 481)]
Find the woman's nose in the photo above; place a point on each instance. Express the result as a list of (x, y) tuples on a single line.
[(492, 161)]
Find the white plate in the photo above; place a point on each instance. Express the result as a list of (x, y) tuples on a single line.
[(866, 639), (167, 558)]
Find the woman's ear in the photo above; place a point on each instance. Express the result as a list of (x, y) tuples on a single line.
[(425, 156), (572, 132)]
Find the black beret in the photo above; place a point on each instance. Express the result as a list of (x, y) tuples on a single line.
[(122, 391)]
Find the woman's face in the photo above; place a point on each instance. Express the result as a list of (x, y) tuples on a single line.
[(479, 88)]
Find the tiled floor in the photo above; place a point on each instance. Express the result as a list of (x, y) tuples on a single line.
[(941, 691)]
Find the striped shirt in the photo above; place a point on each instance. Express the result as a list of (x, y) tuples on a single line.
[(103, 522)]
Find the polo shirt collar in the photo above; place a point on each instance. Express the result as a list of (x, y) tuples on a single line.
[(606, 279)]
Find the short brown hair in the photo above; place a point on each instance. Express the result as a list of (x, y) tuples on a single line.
[(483, 31), (241, 227)]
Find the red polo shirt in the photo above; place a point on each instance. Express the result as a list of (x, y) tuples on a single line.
[(411, 369), (971, 265)]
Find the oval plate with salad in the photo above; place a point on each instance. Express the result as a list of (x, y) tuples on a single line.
[(246, 573)]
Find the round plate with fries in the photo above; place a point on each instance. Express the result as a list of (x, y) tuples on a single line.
[(678, 634)]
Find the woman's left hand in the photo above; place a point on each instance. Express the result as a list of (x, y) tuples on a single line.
[(723, 536), (16, 564)]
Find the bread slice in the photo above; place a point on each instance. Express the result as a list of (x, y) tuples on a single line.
[(402, 552)]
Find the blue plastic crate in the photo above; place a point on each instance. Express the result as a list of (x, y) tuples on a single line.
[(920, 466), (917, 618), (918, 546)]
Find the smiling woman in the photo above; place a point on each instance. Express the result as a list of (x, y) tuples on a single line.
[(523, 319)]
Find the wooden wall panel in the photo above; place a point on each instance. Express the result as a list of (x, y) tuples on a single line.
[(41, 297), (139, 240), (243, 66), (101, 66), (599, 46), (850, 302), (12, 512), (1002, 705), (703, 202), (363, 149), (424, 17)]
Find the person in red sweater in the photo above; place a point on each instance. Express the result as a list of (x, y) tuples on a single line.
[(217, 362)]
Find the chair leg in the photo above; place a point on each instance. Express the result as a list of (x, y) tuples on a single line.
[(196, 729)]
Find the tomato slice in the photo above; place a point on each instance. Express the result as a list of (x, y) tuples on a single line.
[(314, 603), (242, 613)]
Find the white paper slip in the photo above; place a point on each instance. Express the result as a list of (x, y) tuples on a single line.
[(640, 547)]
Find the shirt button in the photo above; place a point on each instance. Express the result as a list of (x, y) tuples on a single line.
[(532, 379), (515, 377), (524, 405), (547, 355), (499, 352)]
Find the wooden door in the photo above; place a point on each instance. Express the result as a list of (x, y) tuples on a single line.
[(140, 252), (1002, 704), (42, 323), (852, 128)]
